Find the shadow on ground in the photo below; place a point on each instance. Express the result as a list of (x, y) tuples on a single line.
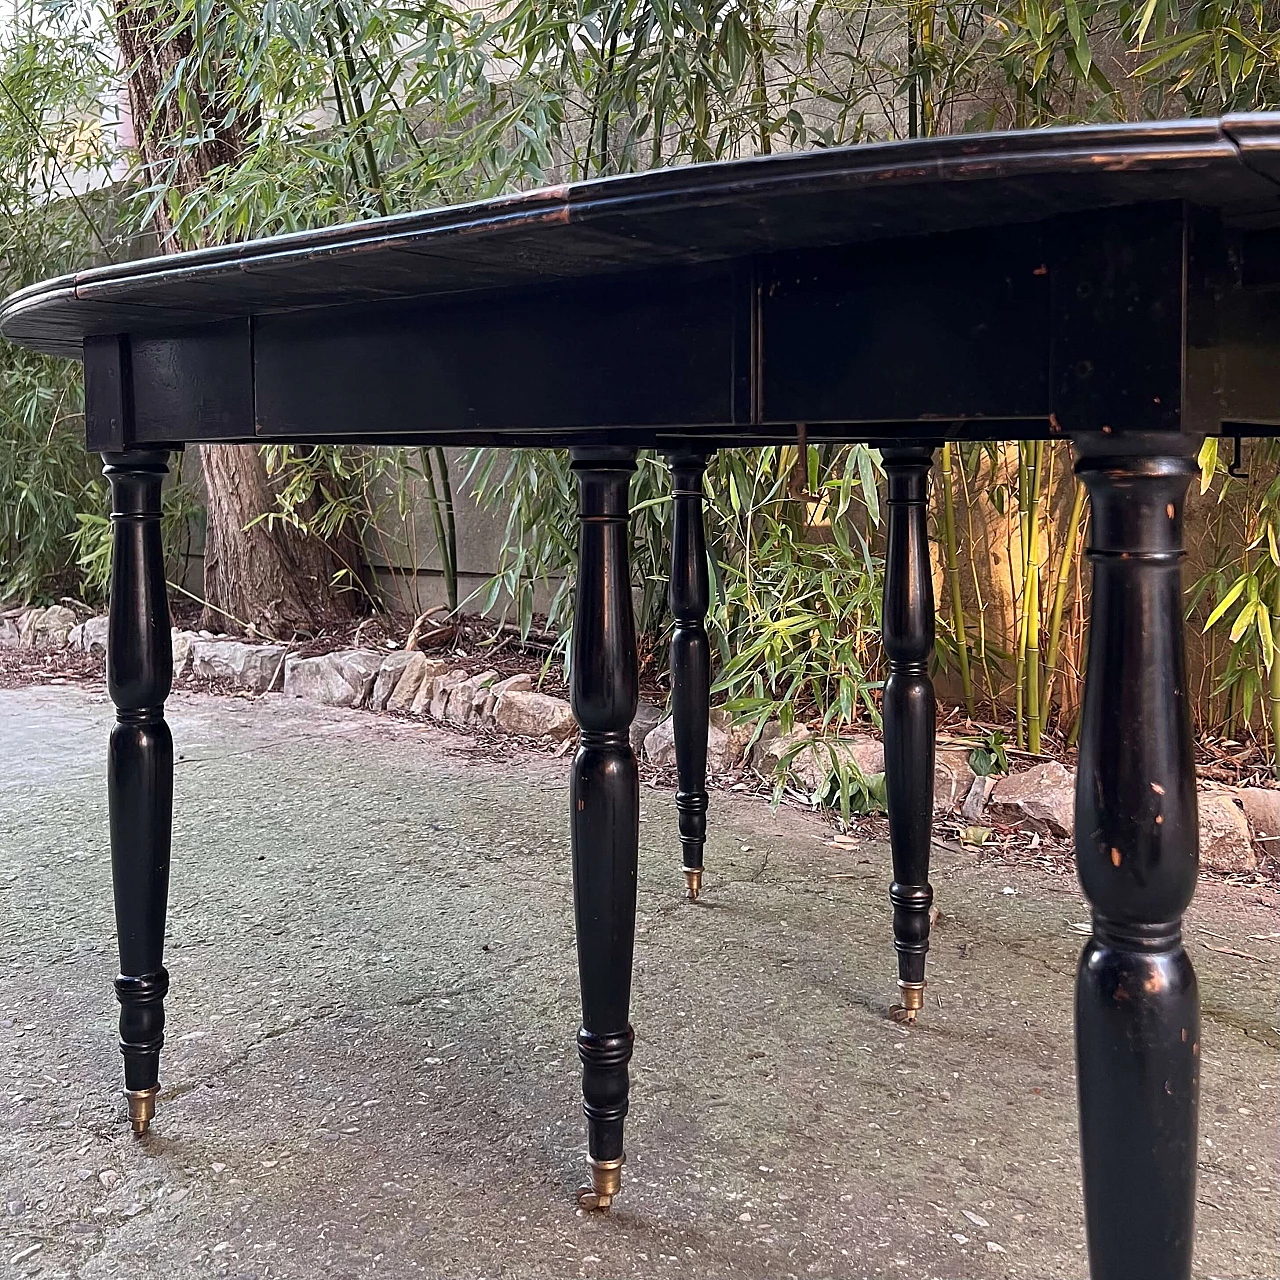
[(370, 1065)]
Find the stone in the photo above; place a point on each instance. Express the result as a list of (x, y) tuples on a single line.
[(341, 679), (1224, 834), (89, 636), (866, 752), (811, 764), (773, 744), (976, 801), (418, 669), (952, 778), (460, 707), (433, 697), (393, 667), (736, 737), (660, 746), (48, 628), (26, 625), (1042, 799), (534, 715), (487, 699), (814, 764), (256, 667), (182, 642), (10, 631), (648, 716), (1262, 810)]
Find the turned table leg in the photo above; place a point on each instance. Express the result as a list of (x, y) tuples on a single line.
[(605, 797), (1137, 1011), (690, 659), (908, 710), (139, 766)]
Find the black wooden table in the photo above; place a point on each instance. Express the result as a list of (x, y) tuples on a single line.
[(1118, 285)]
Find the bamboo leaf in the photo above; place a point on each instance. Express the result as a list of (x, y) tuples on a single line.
[(1234, 594), (1208, 460), (1243, 619)]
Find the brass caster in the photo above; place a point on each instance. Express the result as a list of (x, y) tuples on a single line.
[(142, 1107), (693, 881), (606, 1182), (912, 1002)]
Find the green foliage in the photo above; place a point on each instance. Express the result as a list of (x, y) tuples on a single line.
[(990, 755), (1242, 586), (52, 71), (797, 613)]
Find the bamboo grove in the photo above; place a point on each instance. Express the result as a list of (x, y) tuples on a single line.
[(345, 109)]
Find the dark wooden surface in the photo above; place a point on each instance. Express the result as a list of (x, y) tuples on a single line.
[(683, 215), (604, 801), (690, 658), (139, 765), (1136, 839), (909, 711), (1018, 284)]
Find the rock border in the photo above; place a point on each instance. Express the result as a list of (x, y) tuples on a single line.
[(1236, 824)]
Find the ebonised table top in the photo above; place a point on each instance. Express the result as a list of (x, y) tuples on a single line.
[(977, 285)]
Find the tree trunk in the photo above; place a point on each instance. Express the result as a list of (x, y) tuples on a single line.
[(280, 580), (269, 575)]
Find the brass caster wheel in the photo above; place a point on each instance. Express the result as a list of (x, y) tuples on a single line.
[(591, 1202), (912, 1002), (693, 882), (142, 1108), (606, 1182)]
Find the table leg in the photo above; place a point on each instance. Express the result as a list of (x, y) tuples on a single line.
[(909, 716), (1137, 1010), (690, 659), (139, 766), (605, 797)]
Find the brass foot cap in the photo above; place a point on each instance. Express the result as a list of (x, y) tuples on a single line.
[(693, 879), (142, 1107), (606, 1182), (912, 1001), (912, 994)]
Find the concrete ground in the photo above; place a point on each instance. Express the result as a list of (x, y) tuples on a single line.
[(370, 1067)]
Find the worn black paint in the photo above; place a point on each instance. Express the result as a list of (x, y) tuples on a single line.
[(690, 652), (140, 755), (605, 790), (908, 706), (1137, 1012)]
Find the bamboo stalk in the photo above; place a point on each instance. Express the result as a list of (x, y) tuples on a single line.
[(1065, 563), (437, 519), (1275, 682), (451, 530), (977, 589), (1020, 661), (1031, 603), (953, 580)]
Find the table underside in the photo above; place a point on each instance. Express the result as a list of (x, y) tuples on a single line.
[(1149, 318)]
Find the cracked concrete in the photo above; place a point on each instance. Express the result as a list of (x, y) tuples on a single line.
[(370, 1065)]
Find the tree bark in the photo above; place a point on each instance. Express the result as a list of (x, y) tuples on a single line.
[(271, 576)]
